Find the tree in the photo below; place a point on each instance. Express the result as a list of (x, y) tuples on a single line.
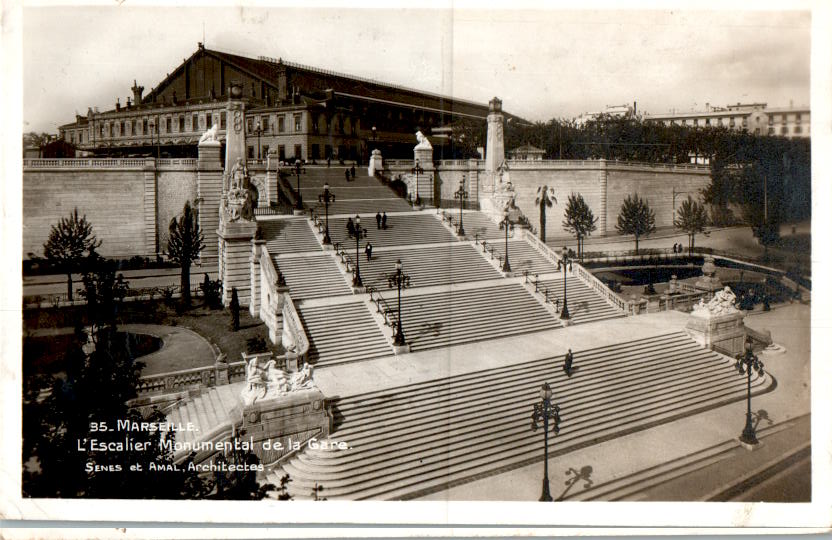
[(235, 309), (692, 219), (579, 219), (185, 242), (69, 242), (636, 218), (544, 198)]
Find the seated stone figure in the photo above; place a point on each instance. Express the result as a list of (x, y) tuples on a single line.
[(302, 379)]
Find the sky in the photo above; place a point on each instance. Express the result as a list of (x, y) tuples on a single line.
[(543, 63)]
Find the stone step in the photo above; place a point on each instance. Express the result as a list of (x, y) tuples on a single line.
[(342, 333), (487, 428), (288, 235), (403, 229), (312, 277), (522, 256)]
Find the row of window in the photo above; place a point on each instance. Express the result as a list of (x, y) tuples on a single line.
[(262, 123), (732, 120), (145, 126)]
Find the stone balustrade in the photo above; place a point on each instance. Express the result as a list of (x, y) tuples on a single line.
[(177, 381), (598, 286), (109, 163)]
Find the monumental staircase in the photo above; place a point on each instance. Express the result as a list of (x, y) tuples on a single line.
[(584, 304), (413, 440)]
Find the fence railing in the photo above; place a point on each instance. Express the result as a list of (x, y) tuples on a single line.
[(177, 381), (173, 162)]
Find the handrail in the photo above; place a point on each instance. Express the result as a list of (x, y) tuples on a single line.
[(292, 320), (387, 311)]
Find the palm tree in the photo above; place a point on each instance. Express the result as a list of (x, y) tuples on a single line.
[(544, 198)]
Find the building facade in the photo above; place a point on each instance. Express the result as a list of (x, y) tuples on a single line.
[(756, 118), (299, 111)]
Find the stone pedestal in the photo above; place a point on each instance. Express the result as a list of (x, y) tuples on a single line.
[(283, 424), (376, 163), (235, 259), (709, 281), (724, 333)]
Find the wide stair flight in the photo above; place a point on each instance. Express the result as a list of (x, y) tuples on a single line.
[(413, 440)]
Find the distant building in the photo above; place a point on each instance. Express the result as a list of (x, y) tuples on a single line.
[(297, 111), (615, 111), (756, 118), (527, 152)]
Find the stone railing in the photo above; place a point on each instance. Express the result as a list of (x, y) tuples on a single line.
[(598, 286), (610, 164), (540, 246), (177, 163), (84, 163), (177, 381), (292, 324)]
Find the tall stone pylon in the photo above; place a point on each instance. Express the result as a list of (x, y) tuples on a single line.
[(495, 150), (237, 224)]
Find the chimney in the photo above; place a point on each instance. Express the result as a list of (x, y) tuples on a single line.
[(137, 92), (707, 106), (118, 104), (128, 102)]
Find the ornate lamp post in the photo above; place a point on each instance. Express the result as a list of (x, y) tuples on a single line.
[(564, 263), (298, 170), (400, 280), (326, 197), (258, 130), (359, 234), (546, 410), (745, 363), (417, 170), (461, 194), (507, 225)]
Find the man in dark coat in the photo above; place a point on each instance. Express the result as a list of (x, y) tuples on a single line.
[(384, 220), (378, 220), (567, 363), (350, 228), (368, 249)]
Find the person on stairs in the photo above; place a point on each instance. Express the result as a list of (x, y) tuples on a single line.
[(352, 172), (567, 363), (384, 220), (350, 228), (347, 174), (378, 220), (368, 249)]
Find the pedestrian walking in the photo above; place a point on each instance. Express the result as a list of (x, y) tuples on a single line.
[(567, 363), (350, 228), (384, 220), (347, 174), (368, 249), (378, 220), (352, 172), (328, 159)]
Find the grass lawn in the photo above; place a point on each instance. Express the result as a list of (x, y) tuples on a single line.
[(214, 325)]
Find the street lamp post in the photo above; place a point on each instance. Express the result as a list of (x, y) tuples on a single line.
[(417, 170), (400, 280), (507, 225), (461, 194), (298, 170), (359, 234), (564, 263), (326, 197), (545, 410), (258, 130), (746, 362)]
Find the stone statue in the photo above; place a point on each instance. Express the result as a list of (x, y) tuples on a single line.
[(238, 174), (242, 196), (302, 379), (423, 141), (210, 135), (722, 303), (277, 382), (255, 388)]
